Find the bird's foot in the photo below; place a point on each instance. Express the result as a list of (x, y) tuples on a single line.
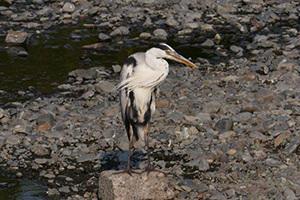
[(150, 168), (128, 170)]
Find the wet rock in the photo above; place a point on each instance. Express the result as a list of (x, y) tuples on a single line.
[(224, 125), (203, 165), (104, 86), (115, 186), (204, 117), (21, 129), (121, 31), (145, 36), (227, 134), (2, 141), (116, 68), (251, 107), (172, 22), (69, 7), (23, 54), (84, 157), (211, 107), (286, 64), (64, 190), (41, 160), (265, 95), (272, 162), (39, 150), (13, 140), (93, 46), (19, 175), (292, 146), (53, 192), (103, 37), (208, 43), (16, 37), (160, 34), (45, 121)]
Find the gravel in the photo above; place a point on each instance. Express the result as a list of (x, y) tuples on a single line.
[(228, 130)]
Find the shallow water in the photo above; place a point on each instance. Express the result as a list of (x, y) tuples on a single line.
[(21, 189), (53, 55)]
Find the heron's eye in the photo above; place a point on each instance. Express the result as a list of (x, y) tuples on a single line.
[(169, 52)]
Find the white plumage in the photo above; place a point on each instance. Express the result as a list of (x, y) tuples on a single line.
[(141, 74)]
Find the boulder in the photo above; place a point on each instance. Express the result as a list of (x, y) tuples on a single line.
[(119, 186)]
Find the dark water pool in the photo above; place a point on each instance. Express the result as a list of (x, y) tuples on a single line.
[(21, 189), (52, 55)]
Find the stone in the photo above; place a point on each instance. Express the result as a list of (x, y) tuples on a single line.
[(211, 107), (69, 7), (117, 68), (104, 86), (48, 117), (16, 37), (13, 140), (264, 95), (120, 31), (208, 43), (92, 46), (39, 150), (137, 186), (227, 134), (19, 175), (103, 37), (53, 192), (1, 113), (41, 160), (272, 162), (172, 22), (224, 125), (203, 165), (21, 129), (286, 64), (160, 34), (145, 36), (64, 189)]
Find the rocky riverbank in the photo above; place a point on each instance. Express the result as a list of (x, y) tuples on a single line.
[(229, 130)]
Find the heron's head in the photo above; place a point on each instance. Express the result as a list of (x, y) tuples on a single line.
[(163, 50)]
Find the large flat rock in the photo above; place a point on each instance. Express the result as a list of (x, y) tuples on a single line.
[(138, 186)]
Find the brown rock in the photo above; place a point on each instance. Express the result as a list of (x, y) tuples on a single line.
[(44, 127), (163, 103), (280, 138), (114, 186), (249, 76), (16, 37)]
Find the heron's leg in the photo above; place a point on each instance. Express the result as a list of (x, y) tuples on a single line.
[(128, 169), (149, 167)]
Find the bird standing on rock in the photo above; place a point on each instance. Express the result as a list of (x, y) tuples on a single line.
[(141, 75)]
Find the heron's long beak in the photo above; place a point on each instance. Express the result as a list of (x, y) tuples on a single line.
[(181, 59)]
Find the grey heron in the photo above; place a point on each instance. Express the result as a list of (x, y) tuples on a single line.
[(141, 74)]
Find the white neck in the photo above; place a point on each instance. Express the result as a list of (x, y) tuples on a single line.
[(155, 62), (158, 65)]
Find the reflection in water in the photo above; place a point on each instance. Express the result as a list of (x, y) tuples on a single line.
[(20, 189)]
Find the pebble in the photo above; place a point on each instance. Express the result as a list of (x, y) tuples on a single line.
[(69, 7), (16, 37), (208, 43), (120, 31), (103, 37)]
